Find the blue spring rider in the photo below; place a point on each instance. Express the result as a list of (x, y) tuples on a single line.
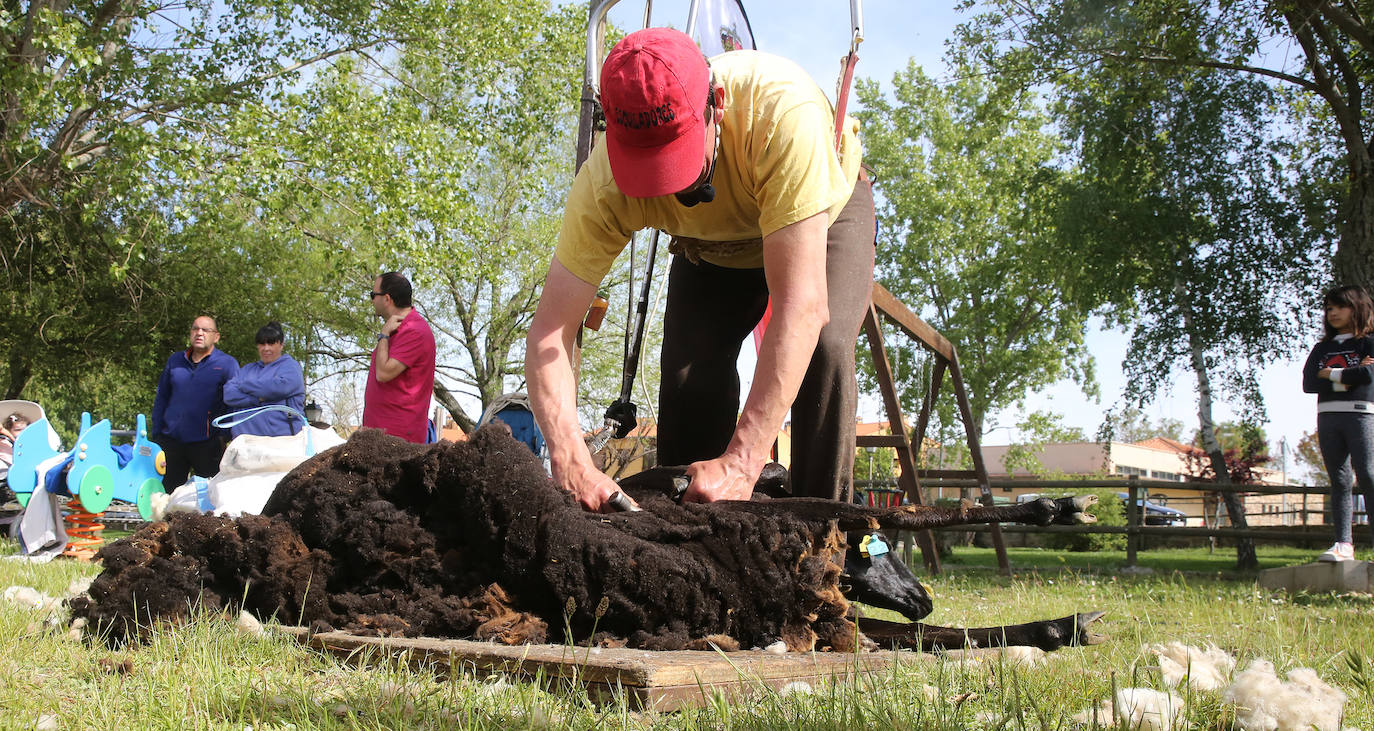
[(95, 472)]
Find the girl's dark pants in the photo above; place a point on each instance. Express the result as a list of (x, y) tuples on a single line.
[(1347, 439)]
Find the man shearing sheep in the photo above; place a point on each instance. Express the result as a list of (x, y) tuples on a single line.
[(735, 157)]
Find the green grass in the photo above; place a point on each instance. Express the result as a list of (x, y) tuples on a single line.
[(205, 675), (1196, 560)]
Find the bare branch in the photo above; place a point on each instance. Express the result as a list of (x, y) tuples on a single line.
[(1352, 25)]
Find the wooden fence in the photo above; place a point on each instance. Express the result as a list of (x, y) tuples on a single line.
[(1309, 514)]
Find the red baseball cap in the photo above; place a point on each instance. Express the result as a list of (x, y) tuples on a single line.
[(653, 90)]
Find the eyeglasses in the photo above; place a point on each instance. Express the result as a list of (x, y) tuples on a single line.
[(374, 295), (203, 330)]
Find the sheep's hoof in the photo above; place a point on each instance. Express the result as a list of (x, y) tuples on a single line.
[(1074, 510), (1068, 631), (1083, 634)]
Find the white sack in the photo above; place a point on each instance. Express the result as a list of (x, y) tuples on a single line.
[(249, 472)]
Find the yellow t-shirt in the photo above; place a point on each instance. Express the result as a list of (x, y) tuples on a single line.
[(777, 165)]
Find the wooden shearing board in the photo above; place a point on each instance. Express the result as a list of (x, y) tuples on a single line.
[(649, 680)]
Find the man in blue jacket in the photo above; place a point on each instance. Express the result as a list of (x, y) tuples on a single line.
[(276, 378), (189, 394)]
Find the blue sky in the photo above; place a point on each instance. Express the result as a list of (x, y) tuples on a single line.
[(814, 33)]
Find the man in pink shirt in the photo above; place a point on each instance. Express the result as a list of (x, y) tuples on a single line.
[(400, 382)]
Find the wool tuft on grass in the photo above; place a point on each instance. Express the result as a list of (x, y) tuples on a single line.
[(1265, 703), (1203, 668), (249, 626), (27, 597), (1138, 708)]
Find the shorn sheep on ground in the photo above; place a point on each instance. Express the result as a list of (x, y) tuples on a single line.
[(473, 540)]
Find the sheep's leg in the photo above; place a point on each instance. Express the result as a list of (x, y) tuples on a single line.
[(1047, 635), (1045, 511)]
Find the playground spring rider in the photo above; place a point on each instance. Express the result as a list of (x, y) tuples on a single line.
[(93, 474)]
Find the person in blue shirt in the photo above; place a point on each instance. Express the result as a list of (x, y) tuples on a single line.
[(190, 393), (275, 379)]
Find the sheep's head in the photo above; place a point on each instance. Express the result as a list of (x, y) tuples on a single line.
[(874, 574)]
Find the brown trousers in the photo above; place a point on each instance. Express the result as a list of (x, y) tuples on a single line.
[(710, 312)]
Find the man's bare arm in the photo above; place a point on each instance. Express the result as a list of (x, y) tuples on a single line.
[(552, 389), (388, 368), (794, 265)]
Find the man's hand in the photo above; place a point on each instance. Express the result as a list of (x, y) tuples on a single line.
[(391, 324), (591, 487), (726, 477)]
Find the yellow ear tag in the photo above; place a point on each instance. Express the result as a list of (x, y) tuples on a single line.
[(863, 545)]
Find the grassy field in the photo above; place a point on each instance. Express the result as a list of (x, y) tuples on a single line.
[(207, 675)]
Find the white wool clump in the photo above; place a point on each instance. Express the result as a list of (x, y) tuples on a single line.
[(28, 597), (80, 586), (1141, 708), (74, 632), (397, 696), (1027, 657), (796, 687), (158, 503), (1265, 703), (1021, 656), (1203, 668), (161, 504), (249, 626), (777, 648), (495, 685)]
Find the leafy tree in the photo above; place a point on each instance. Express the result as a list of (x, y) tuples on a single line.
[(448, 161), (86, 83), (1131, 424), (1320, 52), (1180, 172), (114, 145), (971, 183), (1309, 457), (1243, 459), (1238, 435), (1038, 429)]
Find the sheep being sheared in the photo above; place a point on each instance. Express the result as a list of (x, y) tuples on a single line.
[(474, 540)]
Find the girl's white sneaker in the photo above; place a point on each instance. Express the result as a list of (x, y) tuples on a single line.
[(1338, 552)]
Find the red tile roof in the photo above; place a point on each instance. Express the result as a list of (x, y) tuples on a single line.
[(1166, 444)]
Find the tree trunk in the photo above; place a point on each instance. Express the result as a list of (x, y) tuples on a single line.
[(1235, 508), (21, 370), (1354, 261), (454, 409)]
